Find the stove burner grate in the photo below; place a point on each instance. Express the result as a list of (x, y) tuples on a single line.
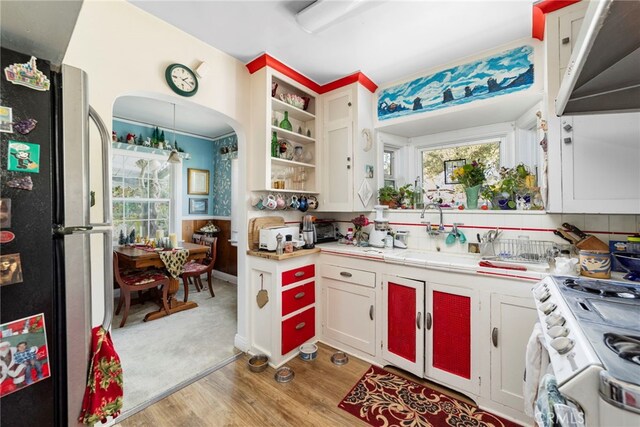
[(596, 287), (625, 346)]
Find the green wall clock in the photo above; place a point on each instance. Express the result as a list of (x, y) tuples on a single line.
[(181, 79)]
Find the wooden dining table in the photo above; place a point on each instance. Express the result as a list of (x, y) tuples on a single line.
[(136, 258)]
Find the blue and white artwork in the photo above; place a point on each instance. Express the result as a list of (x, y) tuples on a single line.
[(496, 75)]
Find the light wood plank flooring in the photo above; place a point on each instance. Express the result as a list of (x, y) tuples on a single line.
[(235, 396)]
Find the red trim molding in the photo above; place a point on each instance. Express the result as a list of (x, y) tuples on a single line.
[(265, 60), (539, 11)]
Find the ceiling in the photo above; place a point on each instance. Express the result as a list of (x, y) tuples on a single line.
[(189, 119), (386, 40), (40, 28)]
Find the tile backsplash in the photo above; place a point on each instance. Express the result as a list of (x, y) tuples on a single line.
[(534, 225)]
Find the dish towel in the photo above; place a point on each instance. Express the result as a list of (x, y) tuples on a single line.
[(103, 395), (174, 261), (537, 365)]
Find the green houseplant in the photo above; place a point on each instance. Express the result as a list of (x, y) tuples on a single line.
[(388, 195), (405, 196)]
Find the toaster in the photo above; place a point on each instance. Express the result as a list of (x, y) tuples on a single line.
[(325, 232), (268, 235)]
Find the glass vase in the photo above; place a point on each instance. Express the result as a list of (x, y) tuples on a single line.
[(472, 194), (285, 123)]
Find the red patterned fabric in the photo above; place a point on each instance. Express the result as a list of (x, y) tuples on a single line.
[(103, 395), (194, 267), (381, 398), (142, 277)]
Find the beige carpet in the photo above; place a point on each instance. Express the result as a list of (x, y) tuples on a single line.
[(162, 354)]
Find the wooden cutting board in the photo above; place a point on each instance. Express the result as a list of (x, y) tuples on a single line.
[(256, 224)]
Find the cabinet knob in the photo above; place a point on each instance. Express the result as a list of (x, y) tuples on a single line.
[(299, 295), (371, 312), (349, 104), (419, 321), (348, 159), (299, 273), (567, 140), (345, 274), (566, 40), (494, 337), (429, 321), (348, 166), (300, 325), (567, 127)]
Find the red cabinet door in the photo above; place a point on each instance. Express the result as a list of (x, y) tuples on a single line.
[(452, 333), (403, 333), (298, 329), (298, 297)]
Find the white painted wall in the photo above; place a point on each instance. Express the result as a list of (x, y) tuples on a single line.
[(125, 51)]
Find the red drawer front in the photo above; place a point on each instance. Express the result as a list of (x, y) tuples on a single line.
[(298, 297), (298, 329), (401, 321), (298, 274), (452, 333)]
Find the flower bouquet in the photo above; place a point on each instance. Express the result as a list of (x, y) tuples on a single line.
[(359, 222), (470, 176)]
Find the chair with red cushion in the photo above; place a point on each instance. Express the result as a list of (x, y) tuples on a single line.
[(136, 281), (195, 269)]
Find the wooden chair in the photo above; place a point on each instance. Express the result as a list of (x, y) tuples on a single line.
[(138, 281), (195, 269)]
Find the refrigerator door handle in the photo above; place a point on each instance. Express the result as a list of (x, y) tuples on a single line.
[(106, 166), (108, 279)]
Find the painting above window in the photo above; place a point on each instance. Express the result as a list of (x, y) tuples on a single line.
[(500, 74)]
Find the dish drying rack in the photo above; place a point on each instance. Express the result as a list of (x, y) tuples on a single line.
[(520, 250)]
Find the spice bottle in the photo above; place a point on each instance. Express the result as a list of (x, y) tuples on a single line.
[(349, 236), (279, 245), (288, 244)]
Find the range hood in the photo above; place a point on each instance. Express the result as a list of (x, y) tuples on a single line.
[(603, 75)]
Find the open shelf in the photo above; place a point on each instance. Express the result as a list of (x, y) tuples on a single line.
[(284, 162), (292, 136), (295, 113)]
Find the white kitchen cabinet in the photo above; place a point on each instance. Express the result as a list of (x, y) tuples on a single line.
[(282, 173), (347, 151), (289, 318), (403, 323), (569, 26), (600, 163), (512, 320), (348, 307), (451, 353)]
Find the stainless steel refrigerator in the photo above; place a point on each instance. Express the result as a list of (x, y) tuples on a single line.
[(57, 236)]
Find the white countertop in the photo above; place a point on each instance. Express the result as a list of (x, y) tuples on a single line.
[(457, 262)]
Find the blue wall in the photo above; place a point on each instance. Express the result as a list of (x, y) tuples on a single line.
[(204, 154)]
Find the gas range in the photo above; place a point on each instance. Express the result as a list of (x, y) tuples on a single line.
[(593, 337)]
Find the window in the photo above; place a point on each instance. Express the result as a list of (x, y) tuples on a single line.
[(433, 168), (388, 161), (141, 190)]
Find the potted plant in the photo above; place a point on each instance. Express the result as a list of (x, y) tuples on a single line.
[(512, 182), (388, 196), (405, 196)]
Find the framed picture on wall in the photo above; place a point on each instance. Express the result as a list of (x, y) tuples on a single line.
[(197, 181), (449, 167), (198, 206)]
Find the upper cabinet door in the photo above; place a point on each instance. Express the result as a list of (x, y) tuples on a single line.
[(337, 188), (403, 323), (600, 159)]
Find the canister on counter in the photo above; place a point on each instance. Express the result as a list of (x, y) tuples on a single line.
[(596, 264)]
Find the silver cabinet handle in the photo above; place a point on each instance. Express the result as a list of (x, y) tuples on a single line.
[(345, 274), (429, 321), (299, 295), (300, 326), (299, 274), (419, 321), (106, 166), (371, 312), (494, 337)]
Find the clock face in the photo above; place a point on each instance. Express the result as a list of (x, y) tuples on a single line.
[(181, 80)]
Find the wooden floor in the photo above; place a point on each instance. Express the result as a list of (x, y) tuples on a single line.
[(234, 396)]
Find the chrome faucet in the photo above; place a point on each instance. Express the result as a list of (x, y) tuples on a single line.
[(430, 230)]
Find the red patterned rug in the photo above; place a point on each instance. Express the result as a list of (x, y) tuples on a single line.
[(381, 398)]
